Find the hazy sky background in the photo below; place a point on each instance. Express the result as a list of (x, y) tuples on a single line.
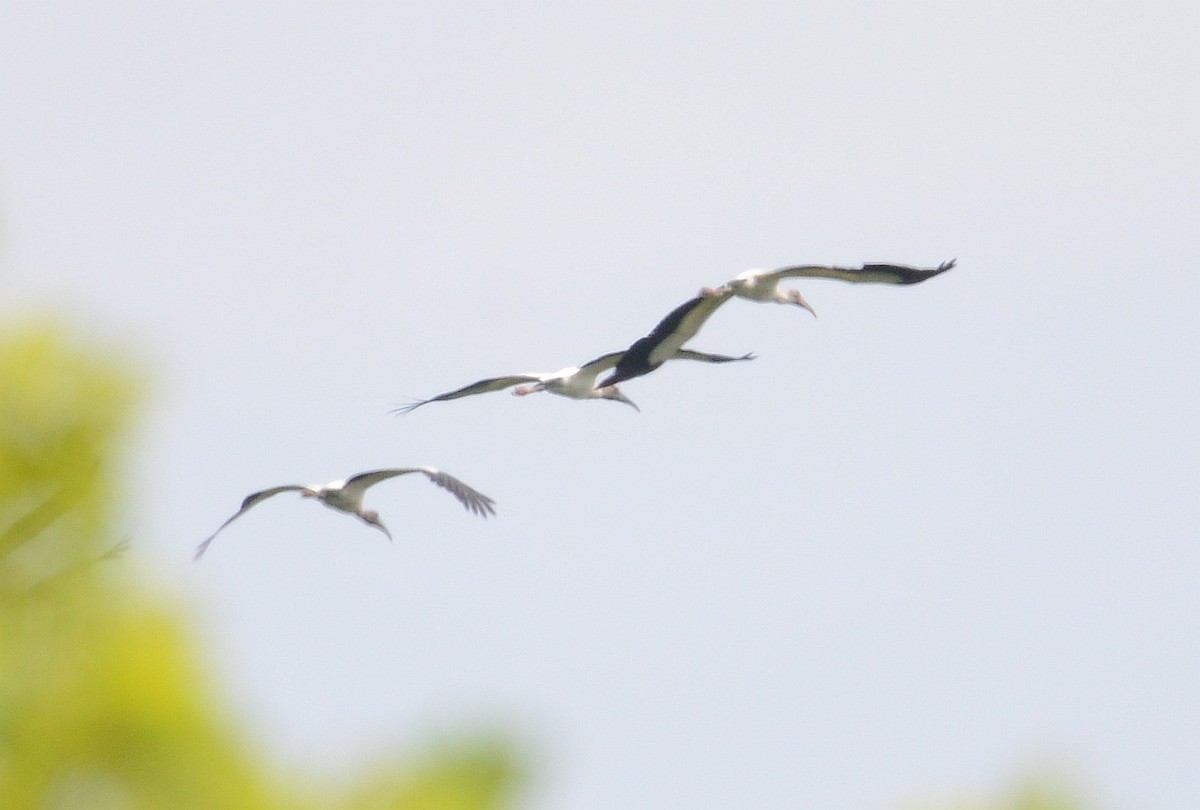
[(940, 537)]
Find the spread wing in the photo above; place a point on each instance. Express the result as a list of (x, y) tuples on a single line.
[(251, 500), (602, 363), (681, 325), (471, 499), (868, 273), (678, 327), (481, 387)]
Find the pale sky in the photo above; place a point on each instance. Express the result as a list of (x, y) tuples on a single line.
[(937, 539)]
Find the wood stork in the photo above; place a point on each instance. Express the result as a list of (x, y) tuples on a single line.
[(347, 496), (665, 341), (763, 285), (574, 382)]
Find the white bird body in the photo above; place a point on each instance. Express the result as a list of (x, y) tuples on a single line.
[(347, 495), (762, 285), (337, 495), (576, 382), (572, 382)]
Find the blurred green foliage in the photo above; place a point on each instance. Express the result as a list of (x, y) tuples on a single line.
[(1035, 794), (102, 701)]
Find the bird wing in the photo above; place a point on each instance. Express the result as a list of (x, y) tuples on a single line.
[(706, 357), (868, 273), (602, 363), (251, 500), (678, 327), (681, 325), (481, 387), (471, 499)]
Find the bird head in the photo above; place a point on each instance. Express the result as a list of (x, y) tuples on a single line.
[(612, 392)]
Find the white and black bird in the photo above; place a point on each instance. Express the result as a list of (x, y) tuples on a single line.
[(576, 382), (665, 341), (764, 285), (347, 496)]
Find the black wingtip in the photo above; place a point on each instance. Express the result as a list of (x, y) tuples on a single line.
[(904, 274), (408, 407)]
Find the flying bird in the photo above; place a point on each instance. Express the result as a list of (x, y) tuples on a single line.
[(665, 341), (347, 496), (574, 382), (763, 285)]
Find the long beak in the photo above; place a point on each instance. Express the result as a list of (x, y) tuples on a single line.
[(800, 302), (614, 393), (378, 524), (622, 398)]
